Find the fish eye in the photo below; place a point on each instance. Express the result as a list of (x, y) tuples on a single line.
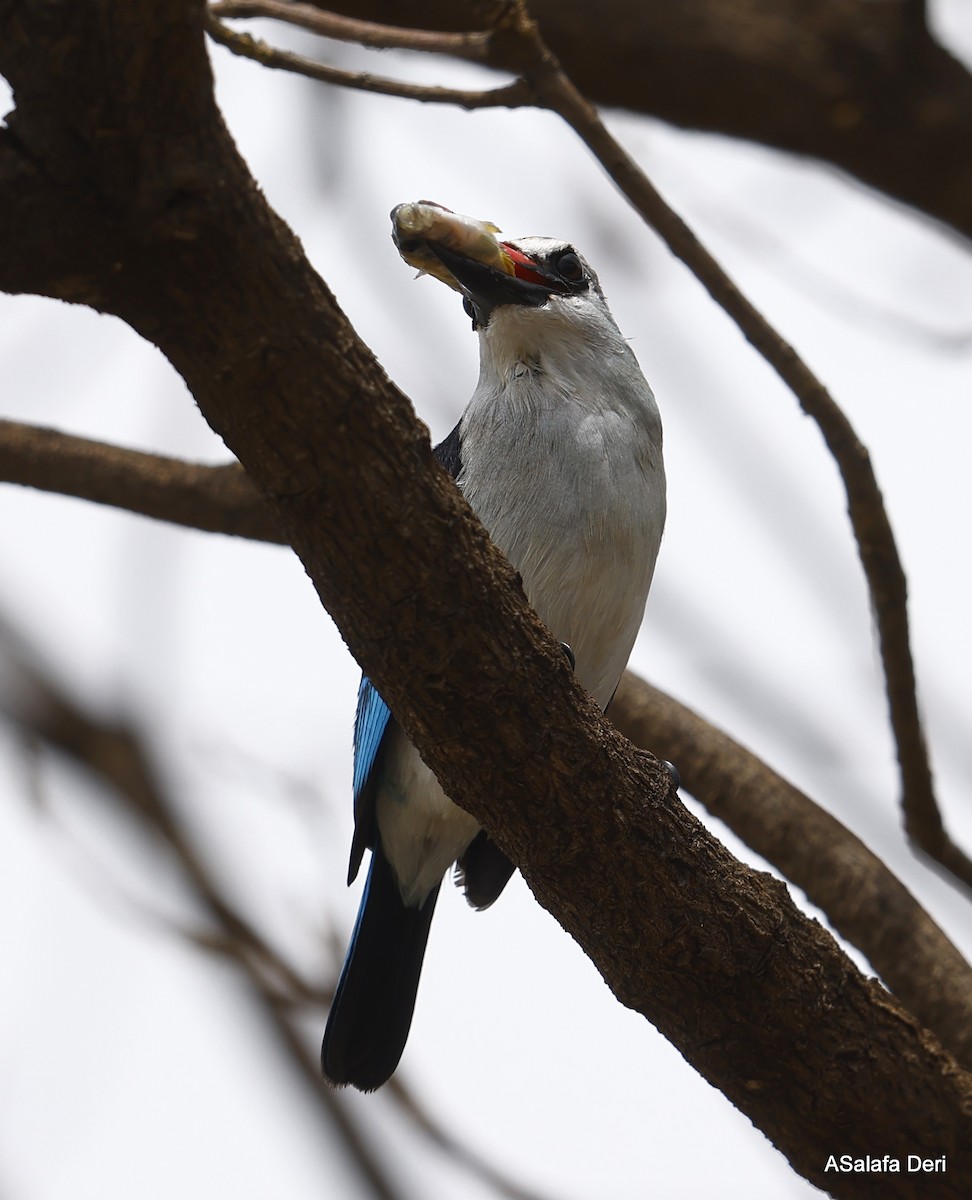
[(569, 267)]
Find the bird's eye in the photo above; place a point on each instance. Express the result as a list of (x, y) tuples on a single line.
[(570, 267), (469, 309)]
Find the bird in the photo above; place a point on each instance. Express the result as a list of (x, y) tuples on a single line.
[(559, 453)]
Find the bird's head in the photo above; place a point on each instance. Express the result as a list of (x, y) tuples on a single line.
[(532, 282)]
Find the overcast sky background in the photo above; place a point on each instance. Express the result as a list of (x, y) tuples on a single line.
[(129, 1065)]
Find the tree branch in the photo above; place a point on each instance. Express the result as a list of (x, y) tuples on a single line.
[(216, 499), (148, 201), (862, 898), (471, 46), (510, 96), (860, 85)]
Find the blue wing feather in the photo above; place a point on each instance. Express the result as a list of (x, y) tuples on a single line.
[(371, 723)]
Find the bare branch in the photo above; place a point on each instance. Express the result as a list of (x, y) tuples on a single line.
[(115, 751), (861, 897), (471, 46), (216, 499), (511, 96)]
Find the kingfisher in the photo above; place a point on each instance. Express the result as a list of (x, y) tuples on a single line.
[(559, 453)]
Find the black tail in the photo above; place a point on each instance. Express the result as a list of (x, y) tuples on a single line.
[(375, 998)]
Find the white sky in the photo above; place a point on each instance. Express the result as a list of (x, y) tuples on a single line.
[(129, 1066)]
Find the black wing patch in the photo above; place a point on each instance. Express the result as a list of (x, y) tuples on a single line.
[(449, 452), (483, 870)]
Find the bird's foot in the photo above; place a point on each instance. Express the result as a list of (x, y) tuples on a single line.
[(569, 655)]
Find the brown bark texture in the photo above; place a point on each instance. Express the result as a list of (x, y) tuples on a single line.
[(121, 188)]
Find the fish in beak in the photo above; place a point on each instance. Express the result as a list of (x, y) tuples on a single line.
[(470, 256)]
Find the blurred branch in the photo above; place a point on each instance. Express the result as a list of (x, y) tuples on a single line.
[(516, 45), (114, 752), (861, 897), (918, 9), (216, 499), (117, 754), (37, 704)]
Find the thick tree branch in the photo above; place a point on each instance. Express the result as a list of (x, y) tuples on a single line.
[(862, 898), (154, 217), (217, 499)]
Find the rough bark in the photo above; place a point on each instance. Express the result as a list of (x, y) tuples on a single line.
[(121, 188), (859, 894), (863, 86)]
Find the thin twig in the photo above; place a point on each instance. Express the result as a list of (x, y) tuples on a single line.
[(471, 46), (476, 1163), (512, 95)]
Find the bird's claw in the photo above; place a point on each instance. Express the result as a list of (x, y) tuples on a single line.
[(673, 773), (569, 655)]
